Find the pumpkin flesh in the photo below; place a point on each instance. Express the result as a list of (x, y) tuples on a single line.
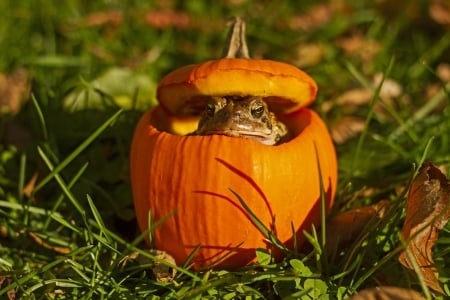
[(187, 179)]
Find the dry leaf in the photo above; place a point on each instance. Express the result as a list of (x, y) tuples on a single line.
[(355, 97), (162, 272), (14, 88), (358, 45), (43, 243), (346, 128), (166, 19), (390, 87), (439, 11), (427, 211), (101, 18), (29, 187), (344, 228), (387, 293), (307, 55), (316, 17), (443, 72), (10, 294)]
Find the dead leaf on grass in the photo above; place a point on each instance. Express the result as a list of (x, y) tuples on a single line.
[(427, 211), (29, 187), (345, 227), (167, 18), (346, 128), (101, 18), (387, 293), (10, 294), (41, 242), (307, 55), (439, 12), (360, 46), (316, 17), (161, 271), (14, 88)]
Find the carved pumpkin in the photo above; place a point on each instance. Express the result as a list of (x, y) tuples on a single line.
[(186, 181)]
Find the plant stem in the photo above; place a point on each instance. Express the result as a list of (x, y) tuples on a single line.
[(236, 43)]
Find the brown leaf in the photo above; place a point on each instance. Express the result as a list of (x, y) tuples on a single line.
[(14, 88), (443, 72), (346, 128), (58, 249), (345, 227), (29, 187), (161, 271), (101, 18), (316, 17), (11, 294), (427, 211), (307, 55), (439, 11), (166, 19), (358, 45), (387, 293)]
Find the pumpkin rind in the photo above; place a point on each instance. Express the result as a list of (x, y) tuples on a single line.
[(189, 178), (284, 87)]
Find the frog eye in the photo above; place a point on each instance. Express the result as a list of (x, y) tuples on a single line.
[(210, 109), (257, 110)]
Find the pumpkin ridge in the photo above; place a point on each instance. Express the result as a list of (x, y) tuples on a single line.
[(251, 181)]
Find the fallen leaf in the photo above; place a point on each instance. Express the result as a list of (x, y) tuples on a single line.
[(345, 227), (427, 211), (360, 46), (38, 240), (387, 293), (165, 19), (307, 55), (161, 271), (390, 87), (14, 88), (346, 128), (101, 18), (316, 17), (443, 72), (439, 12), (11, 294), (355, 97), (29, 187)]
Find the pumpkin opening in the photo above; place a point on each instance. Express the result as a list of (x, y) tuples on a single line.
[(166, 122)]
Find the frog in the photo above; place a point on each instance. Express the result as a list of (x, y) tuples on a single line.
[(241, 116)]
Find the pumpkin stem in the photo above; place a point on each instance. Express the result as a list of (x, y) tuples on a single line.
[(236, 43)]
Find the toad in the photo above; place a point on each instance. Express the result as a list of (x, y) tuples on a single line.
[(247, 117)]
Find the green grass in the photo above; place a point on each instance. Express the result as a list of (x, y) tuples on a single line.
[(70, 238)]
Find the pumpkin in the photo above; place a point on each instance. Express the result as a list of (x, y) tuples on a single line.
[(189, 184)]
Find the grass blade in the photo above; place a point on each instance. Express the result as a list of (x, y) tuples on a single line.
[(76, 152)]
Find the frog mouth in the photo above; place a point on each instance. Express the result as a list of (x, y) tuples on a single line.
[(257, 136)]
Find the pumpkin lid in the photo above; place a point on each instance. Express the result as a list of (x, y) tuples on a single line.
[(284, 87)]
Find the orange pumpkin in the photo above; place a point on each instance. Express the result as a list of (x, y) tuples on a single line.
[(186, 181)]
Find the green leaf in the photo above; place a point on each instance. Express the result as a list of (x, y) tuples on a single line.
[(119, 87), (264, 257), (300, 268)]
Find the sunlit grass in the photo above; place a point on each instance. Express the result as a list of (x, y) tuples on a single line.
[(74, 235)]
